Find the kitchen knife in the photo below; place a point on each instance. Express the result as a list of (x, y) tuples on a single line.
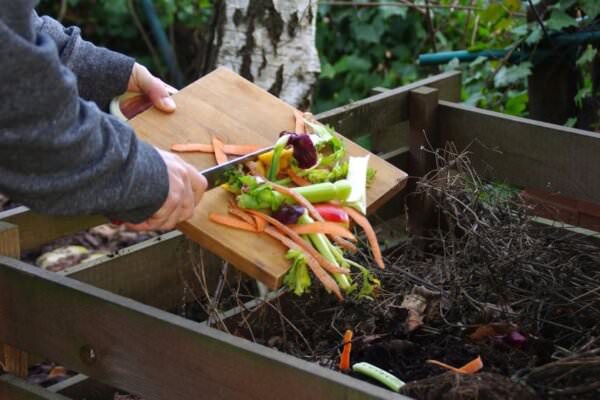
[(216, 175)]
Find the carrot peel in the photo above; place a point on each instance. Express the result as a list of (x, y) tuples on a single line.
[(345, 358), (231, 222), (329, 228), (469, 368), (370, 232), (218, 147)]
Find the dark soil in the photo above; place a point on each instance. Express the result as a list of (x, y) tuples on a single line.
[(497, 285)]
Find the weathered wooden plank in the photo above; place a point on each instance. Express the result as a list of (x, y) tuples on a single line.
[(377, 112), (423, 138), (13, 388), (38, 229), (150, 352), (153, 272), (524, 152), (12, 359)]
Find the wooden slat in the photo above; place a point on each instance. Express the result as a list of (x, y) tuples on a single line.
[(524, 152), (423, 139), (12, 388), (377, 112), (150, 352), (14, 360), (38, 229), (153, 272)]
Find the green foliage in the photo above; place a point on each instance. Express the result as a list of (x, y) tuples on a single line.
[(111, 23), (361, 48)]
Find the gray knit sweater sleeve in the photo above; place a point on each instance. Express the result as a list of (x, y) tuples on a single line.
[(101, 73), (59, 153)]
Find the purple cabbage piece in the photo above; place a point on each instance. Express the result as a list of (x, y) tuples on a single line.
[(288, 213), (304, 149), (515, 339)]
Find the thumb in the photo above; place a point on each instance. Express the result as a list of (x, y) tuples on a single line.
[(155, 89)]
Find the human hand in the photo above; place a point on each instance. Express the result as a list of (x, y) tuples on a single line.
[(186, 188), (141, 80)]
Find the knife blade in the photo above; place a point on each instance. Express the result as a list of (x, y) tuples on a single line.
[(214, 175)]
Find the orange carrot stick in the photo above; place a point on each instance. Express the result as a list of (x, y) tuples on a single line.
[(220, 155), (240, 149), (345, 358), (300, 128), (330, 267), (344, 244), (298, 198), (242, 215), (261, 223), (371, 236), (319, 272), (192, 147), (298, 180), (232, 149), (469, 368), (330, 228), (231, 222)]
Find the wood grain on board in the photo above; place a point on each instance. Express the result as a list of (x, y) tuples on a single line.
[(238, 112)]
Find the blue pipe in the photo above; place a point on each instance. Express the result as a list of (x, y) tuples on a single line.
[(462, 55), (557, 42), (164, 46)]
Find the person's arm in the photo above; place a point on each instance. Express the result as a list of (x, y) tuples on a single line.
[(60, 154), (101, 73)]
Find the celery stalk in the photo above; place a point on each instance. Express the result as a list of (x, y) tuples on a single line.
[(325, 191), (320, 241), (277, 150), (357, 175)]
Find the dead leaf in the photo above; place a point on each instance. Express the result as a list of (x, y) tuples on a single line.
[(62, 258), (490, 330), (57, 372), (415, 304)]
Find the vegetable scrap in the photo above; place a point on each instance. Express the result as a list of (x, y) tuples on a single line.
[(306, 194), (231, 149), (379, 375), (219, 150), (347, 348), (471, 367)]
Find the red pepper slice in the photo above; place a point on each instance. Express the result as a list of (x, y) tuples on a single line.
[(333, 213)]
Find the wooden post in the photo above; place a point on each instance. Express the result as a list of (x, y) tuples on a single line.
[(423, 139), (14, 360)]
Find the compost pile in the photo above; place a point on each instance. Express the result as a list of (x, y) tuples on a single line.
[(488, 282)]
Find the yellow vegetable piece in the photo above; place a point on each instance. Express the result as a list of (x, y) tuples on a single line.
[(284, 161)]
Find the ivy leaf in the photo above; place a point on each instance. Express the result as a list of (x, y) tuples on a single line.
[(591, 8), (513, 5), (367, 32), (352, 63), (571, 122), (390, 11), (492, 13), (513, 74), (560, 20), (327, 71), (581, 95), (517, 104), (588, 56), (535, 35)]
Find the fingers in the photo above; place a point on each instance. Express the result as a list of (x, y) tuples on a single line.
[(158, 91), (186, 188), (199, 184)]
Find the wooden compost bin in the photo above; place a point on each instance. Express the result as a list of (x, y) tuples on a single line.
[(106, 319)]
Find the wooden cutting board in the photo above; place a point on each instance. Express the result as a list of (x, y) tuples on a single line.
[(224, 104)]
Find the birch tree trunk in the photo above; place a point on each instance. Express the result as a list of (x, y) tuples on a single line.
[(271, 43)]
